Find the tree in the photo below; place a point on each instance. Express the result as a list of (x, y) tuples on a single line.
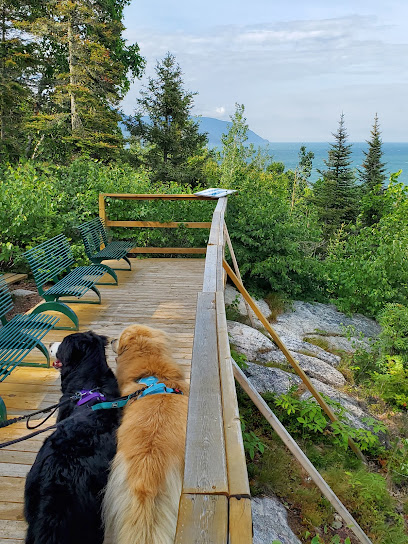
[(372, 177), (301, 175), (17, 61), (174, 144), (84, 74), (335, 193)]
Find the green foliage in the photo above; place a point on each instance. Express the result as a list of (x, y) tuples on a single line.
[(174, 146), (306, 417), (366, 269), (252, 443), (274, 246), (394, 334), (38, 202), (239, 358)]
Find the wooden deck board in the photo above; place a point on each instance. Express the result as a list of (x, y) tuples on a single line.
[(161, 293)]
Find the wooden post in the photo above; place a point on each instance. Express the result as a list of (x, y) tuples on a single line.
[(298, 453), (102, 212), (299, 371), (237, 272)]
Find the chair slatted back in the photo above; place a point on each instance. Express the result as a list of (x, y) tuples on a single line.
[(6, 302), (94, 235), (50, 259)]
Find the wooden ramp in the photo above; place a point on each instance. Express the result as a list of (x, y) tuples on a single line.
[(161, 293)]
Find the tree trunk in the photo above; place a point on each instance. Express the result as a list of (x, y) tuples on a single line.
[(2, 74), (75, 120)]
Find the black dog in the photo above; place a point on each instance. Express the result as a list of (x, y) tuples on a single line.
[(63, 492)]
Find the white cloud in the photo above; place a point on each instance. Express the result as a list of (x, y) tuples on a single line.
[(293, 77)]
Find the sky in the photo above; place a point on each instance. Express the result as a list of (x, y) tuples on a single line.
[(296, 65)]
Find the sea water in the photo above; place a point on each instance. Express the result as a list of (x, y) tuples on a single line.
[(395, 156)]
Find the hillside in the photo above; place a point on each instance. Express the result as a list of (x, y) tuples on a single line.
[(215, 129)]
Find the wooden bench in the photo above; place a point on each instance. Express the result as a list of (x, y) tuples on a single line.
[(52, 261), (18, 337), (94, 236)]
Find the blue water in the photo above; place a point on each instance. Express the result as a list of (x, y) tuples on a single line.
[(395, 155)]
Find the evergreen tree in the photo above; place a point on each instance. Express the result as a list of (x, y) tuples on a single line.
[(335, 193), (372, 177), (175, 148), (84, 75), (17, 62)]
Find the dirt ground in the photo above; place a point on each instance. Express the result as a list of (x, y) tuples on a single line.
[(23, 304)]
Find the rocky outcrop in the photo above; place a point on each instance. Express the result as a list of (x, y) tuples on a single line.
[(257, 347), (270, 522)]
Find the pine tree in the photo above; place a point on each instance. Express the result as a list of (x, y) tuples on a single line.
[(335, 193), (372, 177), (175, 148), (17, 62), (84, 75)]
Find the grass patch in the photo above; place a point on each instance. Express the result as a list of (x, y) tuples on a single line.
[(277, 305)]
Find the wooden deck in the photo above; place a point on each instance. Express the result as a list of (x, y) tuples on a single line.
[(161, 293)]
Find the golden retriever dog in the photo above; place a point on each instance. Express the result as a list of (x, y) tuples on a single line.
[(144, 487)]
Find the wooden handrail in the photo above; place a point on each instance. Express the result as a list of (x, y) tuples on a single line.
[(215, 503)]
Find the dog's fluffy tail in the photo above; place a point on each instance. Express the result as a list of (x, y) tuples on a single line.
[(141, 512)]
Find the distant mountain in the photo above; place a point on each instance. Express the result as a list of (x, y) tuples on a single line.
[(215, 129)]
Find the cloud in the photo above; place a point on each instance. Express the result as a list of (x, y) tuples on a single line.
[(293, 77)]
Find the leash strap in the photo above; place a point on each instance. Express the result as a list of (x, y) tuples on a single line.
[(5, 444)]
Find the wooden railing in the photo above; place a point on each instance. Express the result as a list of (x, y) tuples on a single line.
[(155, 224), (215, 506)]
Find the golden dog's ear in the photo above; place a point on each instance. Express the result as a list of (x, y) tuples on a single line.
[(115, 344)]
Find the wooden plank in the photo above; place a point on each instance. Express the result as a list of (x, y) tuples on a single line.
[(11, 541), (157, 224), (12, 529), (299, 455), (11, 489), (203, 519), (14, 470), (205, 464), (181, 250), (240, 521), (17, 457), (236, 464), (210, 276), (11, 510), (126, 196), (11, 277)]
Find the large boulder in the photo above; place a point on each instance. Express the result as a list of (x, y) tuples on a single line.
[(268, 379), (251, 342), (270, 522), (306, 319)]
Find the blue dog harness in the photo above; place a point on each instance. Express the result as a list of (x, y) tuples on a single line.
[(153, 387)]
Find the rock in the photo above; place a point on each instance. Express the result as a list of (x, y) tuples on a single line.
[(316, 368), (250, 342), (294, 344), (342, 343), (22, 293), (232, 296), (268, 379), (270, 522), (257, 347), (306, 319)]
